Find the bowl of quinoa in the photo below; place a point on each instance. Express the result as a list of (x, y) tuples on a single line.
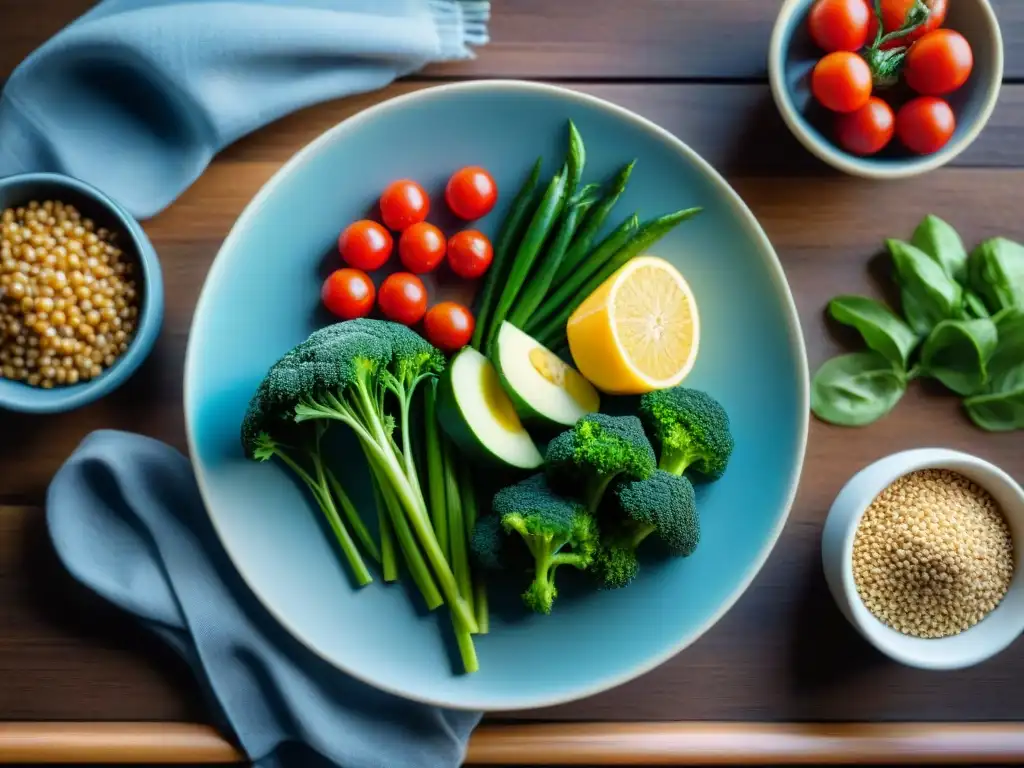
[(81, 294), (921, 552)]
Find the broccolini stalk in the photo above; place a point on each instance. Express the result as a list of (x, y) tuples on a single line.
[(343, 373), (435, 469), (389, 563), (459, 556), (265, 448), (470, 515), (351, 515)]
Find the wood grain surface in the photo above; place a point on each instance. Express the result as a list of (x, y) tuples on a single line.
[(590, 744), (783, 653)]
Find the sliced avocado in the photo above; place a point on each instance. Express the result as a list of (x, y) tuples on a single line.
[(478, 416), (545, 390)]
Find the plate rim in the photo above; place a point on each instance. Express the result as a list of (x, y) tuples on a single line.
[(794, 331)]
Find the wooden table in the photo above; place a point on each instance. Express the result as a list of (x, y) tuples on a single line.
[(783, 654)]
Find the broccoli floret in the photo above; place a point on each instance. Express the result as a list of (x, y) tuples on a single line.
[(663, 505), (691, 429), (556, 530), (350, 372), (488, 544), (598, 450)]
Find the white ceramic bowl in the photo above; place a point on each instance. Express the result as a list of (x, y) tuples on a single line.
[(986, 638)]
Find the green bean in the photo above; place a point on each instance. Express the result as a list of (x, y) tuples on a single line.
[(552, 206), (585, 237), (540, 281), (598, 257), (511, 231), (540, 226), (648, 234), (435, 469)]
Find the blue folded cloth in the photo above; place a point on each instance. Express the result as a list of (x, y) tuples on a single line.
[(137, 96), (127, 520)]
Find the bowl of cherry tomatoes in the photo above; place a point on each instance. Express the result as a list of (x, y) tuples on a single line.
[(886, 89), (388, 264)]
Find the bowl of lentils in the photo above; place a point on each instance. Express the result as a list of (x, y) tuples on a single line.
[(921, 551), (81, 294)]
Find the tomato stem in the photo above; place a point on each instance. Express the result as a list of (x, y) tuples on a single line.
[(886, 63)]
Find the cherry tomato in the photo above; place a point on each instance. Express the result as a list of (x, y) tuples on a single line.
[(422, 247), (365, 245), (840, 25), (348, 293), (867, 130), (841, 81), (894, 14), (939, 63), (403, 204), (469, 253), (925, 124), (403, 298), (471, 193), (449, 326)]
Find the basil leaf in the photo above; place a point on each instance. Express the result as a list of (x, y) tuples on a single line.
[(882, 329), (1003, 412), (1006, 368), (957, 354), (856, 389), (938, 296), (974, 305), (917, 317), (995, 272), (938, 240)]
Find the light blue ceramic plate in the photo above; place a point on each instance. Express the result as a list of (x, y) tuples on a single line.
[(261, 297)]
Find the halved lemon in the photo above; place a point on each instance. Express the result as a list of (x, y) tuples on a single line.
[(638, 331)]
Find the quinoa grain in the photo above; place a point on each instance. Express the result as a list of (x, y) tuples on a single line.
[(932, 555), (51, 298)]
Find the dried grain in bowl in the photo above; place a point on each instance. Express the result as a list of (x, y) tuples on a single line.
[(933, 554)]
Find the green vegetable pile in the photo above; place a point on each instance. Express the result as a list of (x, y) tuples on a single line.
[(547, 256), (608, 484), (961, 323), (364, 374)]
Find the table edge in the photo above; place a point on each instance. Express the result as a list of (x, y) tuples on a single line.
[(576, 743)]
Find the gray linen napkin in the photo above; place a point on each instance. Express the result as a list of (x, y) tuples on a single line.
[(126, 518)]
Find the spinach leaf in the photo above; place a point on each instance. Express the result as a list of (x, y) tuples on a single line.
[(995, 272), (957, 354), (974, 306), (937, 296), (1003, 412), (856, 389), (882, 329), (943, 244), (915, 314), (1006, 368)]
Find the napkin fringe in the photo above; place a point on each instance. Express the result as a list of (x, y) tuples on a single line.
[(461, 24)]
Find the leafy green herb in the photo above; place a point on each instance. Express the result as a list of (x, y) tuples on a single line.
[(856, 389), (937, 239), (957, 354), (882, 329), (974, 306), (915, 314), (996, 273), (1001, 412), (936, 295), (1006, 367)]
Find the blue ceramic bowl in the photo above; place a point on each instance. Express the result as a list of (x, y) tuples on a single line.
[(262, 295), (20, 189), (792, 57)]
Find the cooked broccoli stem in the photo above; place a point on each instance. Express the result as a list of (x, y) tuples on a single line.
[(556, 531), (352, 372), (264, 447), (389, 563)]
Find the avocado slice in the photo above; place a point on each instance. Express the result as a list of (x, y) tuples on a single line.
[(545, 390), (478, 416)]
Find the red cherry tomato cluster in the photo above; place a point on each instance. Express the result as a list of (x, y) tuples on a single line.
[(366, 246), (912, 63)]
